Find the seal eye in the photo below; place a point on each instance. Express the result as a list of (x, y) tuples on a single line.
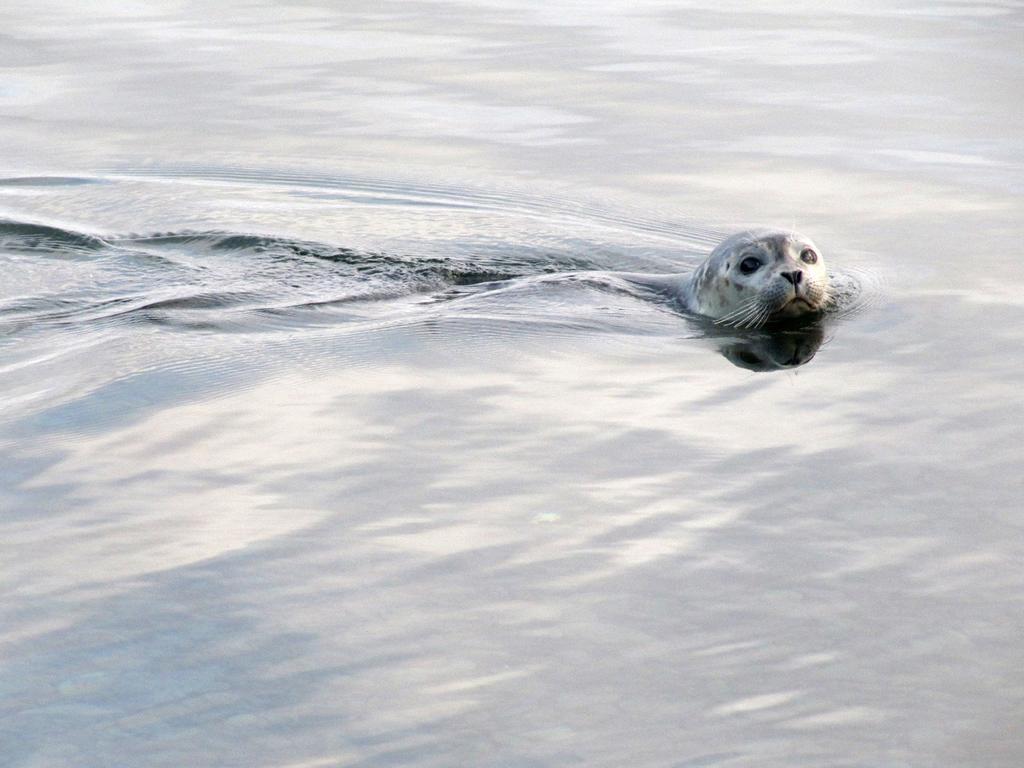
[(808, 256), (750, 265)]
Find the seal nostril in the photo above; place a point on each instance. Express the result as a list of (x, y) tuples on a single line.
[(794, 277)]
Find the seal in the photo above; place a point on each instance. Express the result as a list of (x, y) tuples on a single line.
[(752, 278)]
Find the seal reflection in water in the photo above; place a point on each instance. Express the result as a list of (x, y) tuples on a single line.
[(773, 351), (757, 276)]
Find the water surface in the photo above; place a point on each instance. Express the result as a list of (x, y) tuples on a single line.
[(313, 455)]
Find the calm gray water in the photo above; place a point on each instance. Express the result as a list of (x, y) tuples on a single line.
[(311, 454)]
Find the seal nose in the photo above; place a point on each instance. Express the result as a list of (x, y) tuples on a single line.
[(794, 277)]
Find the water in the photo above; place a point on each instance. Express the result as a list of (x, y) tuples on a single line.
[(327, 440)]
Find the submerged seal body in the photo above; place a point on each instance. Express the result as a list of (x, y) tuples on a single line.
[(757, 276)]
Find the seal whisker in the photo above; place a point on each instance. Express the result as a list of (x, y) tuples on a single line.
[(743, 307), (742, 310), (758, 318), (763, 310), (750, 321), (751, 310), (737, 319), (747, 318)]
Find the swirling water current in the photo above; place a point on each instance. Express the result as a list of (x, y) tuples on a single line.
[(330, 437)]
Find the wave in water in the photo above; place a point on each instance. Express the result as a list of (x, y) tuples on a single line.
[(248, 282), (214, 277)]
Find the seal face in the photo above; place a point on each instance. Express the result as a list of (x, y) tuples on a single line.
[(757, 276)]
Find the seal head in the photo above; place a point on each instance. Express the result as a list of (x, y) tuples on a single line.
[(758, 276)]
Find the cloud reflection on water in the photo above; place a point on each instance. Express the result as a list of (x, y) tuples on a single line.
[(498, 576)]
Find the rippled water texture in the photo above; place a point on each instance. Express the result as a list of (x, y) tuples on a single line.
[(330, 437)]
